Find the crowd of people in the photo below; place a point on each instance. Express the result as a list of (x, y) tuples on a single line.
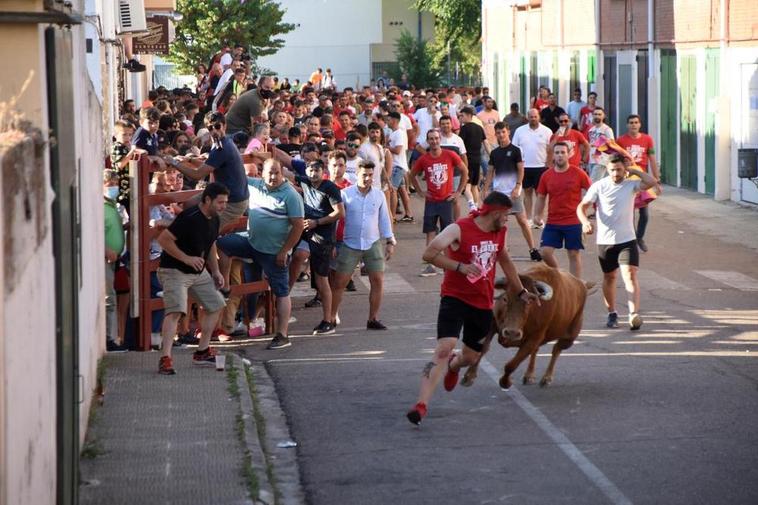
[(327, 176)]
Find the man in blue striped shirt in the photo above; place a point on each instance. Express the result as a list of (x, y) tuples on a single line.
[(368, 237)]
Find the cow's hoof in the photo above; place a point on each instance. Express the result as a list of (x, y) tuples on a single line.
[(546, 381), (467, 381), (505, 383), (529, 380)]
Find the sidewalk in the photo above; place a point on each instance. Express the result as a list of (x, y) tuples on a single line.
[(186, 439)]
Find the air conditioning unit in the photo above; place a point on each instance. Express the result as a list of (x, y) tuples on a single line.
[(131, 17)]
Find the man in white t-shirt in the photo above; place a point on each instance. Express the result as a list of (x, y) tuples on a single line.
[(616, 238), (428, 117), (398, 146), (352, 144), (533, 139)]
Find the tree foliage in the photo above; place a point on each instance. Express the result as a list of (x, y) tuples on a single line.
[(415, 59), (209, 24), (459, 23)]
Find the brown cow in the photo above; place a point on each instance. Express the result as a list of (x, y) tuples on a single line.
[(558, 317)]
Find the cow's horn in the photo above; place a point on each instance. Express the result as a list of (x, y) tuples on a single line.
[(544, 289)]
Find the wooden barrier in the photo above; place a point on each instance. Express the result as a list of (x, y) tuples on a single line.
[(141, 234)]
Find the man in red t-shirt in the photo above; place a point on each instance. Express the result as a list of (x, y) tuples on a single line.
[(563, 183), (472, 247), (579, 148), (642, 149), (438, 166), (585, 115)]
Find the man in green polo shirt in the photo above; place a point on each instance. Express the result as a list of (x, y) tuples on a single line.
[(114, 246), (275, 223)]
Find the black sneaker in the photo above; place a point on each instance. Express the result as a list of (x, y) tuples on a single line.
[(188, 338), (324, 328), (375, 324), (350, 286), (535, 255), (642, 245), (278, 342), (112, 346), (613, 320), (134, 66), (313, 302)]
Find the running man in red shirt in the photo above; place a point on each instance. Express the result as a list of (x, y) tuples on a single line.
[(642, 148), (468, 251), (439, 166), (563, 183)]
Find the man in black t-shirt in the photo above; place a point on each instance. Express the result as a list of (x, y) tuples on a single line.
[(189, 245), (323, 208), (474, 139), (549, 115), (293, 146)]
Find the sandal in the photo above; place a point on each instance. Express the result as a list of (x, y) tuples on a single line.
[(408, 219)]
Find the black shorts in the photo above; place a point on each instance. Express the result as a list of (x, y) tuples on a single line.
[(532, 176), (456, 314), (321, 257), (437, 211), (611, 256), (474, 170)]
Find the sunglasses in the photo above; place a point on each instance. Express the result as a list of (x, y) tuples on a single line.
[(217, 126), (353, 146), (563, 121)]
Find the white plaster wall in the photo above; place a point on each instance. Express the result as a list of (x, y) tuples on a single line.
[(332, 33), (28, 374), (90, 155)]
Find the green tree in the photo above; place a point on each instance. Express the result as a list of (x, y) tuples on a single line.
[(209, 24), (415, 58), (459, 24)]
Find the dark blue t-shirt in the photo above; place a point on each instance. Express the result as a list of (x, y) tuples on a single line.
[(229, 169), (143, 140)]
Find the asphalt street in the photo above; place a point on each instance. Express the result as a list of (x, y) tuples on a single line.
[(668, 414)]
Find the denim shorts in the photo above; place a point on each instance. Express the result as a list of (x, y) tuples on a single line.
[(437, 211), (237, 246), (398, 177), (558, 235)]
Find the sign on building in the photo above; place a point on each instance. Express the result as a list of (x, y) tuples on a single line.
[(156, 40)]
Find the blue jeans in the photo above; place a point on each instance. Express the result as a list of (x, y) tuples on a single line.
[(238, 246)]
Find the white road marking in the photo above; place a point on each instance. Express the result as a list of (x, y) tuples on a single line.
[(592, 472), (393, 283), (734, 279), (654, 280)]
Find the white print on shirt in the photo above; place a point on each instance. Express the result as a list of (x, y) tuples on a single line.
[(439, 174), (636, 151), (483, 256)]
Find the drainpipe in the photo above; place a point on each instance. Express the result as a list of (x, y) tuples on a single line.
[(653, 110), (723, 121), (598, 56)]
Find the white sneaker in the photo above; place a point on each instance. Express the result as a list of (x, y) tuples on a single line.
[(635, 322), (429, 271), (293, 319)]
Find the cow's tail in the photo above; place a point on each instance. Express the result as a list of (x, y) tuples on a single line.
[(592, 287)]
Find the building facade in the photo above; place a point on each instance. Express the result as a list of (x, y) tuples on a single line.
[(355, 39), (689, 69)]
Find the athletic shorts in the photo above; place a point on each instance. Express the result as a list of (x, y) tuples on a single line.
[(611, 256), (320, 255), (532, 176), (373, 258), (456, 314), (559, 236), (474, 171), (398, 177), (177, 284), (437, 211)]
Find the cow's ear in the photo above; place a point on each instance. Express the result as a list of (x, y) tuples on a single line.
[(501, 283)]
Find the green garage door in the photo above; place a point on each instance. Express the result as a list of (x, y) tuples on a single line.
[(711, 93), (669, 118), (688, 124)]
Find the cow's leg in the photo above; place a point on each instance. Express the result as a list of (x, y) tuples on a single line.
[(562, 344), (530, 376), (471, 372), (521, 354)]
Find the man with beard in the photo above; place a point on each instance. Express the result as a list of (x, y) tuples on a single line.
[(468, 251)]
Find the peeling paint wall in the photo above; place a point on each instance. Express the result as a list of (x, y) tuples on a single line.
[(29, 404)]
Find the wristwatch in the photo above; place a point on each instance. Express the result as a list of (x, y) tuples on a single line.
[(391, 241)]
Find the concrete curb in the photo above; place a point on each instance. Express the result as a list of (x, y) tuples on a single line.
[(265, 452)]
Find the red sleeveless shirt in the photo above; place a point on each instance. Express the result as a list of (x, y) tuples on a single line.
[(480, 248)]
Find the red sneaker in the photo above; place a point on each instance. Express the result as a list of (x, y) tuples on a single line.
[(166, 366), (451, 378), (417, 413), (206, 357)]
